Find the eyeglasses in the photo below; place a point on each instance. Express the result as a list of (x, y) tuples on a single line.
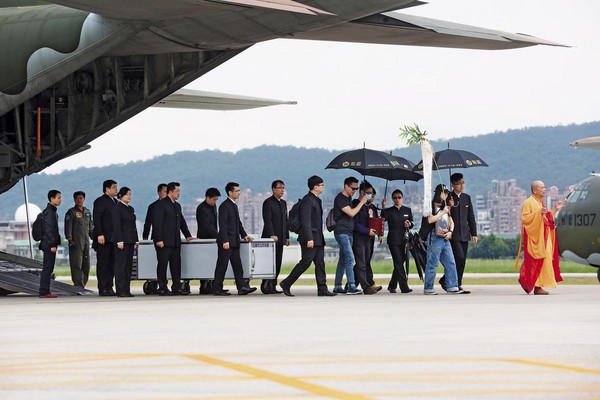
[(397, 198)]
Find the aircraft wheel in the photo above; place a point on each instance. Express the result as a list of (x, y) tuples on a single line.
[(185, 286), (154, 285), (147, 287)]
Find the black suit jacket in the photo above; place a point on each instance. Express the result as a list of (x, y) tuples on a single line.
[(103, 217), (148, 221), (230, 225), (275, 217), (395, 218), (463, 216), (167, 222), (206, 217), (123, 222), (311, 220)]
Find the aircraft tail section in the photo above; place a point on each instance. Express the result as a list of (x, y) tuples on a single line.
[(402, 29)]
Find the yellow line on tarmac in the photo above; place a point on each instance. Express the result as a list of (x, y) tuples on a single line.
[(281, 379), (549, 365)]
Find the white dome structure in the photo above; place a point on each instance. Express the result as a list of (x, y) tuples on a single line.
[(21, 214)]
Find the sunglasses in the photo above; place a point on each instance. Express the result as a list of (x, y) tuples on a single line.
[(397, 198), (354, 189)]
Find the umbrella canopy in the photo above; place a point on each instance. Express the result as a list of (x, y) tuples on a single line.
[(452, 158), (375, 163)]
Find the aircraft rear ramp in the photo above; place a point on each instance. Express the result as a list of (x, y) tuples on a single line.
[(20, 274)]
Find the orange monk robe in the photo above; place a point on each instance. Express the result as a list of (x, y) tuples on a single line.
[(540, 264)]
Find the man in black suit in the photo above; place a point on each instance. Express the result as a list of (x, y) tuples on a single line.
[(105, 254), (228, 242), (400, 220), (275, 215), (206, 218), (311, 239), (465, 226), (161, 191), (168, 222)]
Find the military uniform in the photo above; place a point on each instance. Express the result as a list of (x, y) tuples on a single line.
[(78, 230)]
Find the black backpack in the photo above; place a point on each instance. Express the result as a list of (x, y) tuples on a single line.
[(37, 231), (293, 222), (330, 221)]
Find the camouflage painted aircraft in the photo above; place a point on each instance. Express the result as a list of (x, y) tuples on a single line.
[(71, 70), (578, 222)]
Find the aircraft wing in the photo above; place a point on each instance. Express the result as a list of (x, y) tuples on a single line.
[(201, 100), (402, 29), (162, 10)]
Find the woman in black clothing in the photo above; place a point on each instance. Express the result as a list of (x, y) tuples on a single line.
[(126, 240)]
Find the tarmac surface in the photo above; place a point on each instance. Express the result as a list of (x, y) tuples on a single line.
[(495, 343)]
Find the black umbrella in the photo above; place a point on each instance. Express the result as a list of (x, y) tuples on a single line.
[(376, 163), (373, 163), (452, 158)]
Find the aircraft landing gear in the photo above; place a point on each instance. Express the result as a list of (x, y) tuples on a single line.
[(598, 274)]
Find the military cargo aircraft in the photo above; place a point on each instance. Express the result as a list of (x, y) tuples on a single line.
[(71, 70), (578, 222)]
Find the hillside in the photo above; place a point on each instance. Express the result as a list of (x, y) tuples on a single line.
[(523, 154)]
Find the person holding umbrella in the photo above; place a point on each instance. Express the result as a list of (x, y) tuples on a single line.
[(400, 221), (465, 226)]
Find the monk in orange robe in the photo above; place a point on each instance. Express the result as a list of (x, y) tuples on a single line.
[(540, 265)]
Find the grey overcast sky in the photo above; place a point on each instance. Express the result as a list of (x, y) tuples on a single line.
[(353, 93)]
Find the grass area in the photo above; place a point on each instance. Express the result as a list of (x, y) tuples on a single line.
[(473, 266)]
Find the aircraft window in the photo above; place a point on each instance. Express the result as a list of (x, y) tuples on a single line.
[(574, 196), (583, 195)]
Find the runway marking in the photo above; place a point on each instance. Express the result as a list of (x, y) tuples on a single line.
[(278, 378), (550, 365)]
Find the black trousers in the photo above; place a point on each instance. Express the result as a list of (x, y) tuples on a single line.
[(316, 255), (224, 257), (169, 255), (459, 249), (398, 275), (105, 266), (369, 268), (123, 265), (361, 247), (47, 269), (278, 259)]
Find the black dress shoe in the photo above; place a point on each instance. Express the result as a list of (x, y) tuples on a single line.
[(217, 292), (246, 290), (407, 291), (286, 290), (107, 293), (180, 292), (164, 292), (391, 290), (111, 292), (125, 295), (326, 293)]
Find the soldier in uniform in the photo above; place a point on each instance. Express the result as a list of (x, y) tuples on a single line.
[(78, 230)]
